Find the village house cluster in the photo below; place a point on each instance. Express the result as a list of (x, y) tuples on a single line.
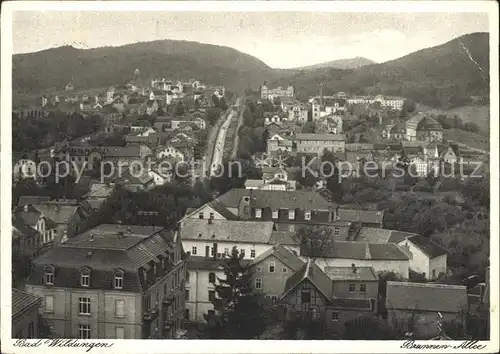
[(140, 282)]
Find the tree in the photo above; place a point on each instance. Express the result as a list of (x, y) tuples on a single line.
[(239, 310), (309, 127), (314, 239), (408, 107), (333, 181), (21, 266)]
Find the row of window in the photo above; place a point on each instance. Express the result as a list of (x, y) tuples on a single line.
[(85, 333), (211, 250), (49, 275), (272, 268)]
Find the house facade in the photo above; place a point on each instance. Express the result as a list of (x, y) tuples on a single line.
[(268, 93), (25, 308), (317, 143), (113, 282)]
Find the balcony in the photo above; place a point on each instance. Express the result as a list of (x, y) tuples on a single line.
[(151, 314), (169, 298)]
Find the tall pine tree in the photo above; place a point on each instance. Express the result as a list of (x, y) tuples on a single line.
[(239, 310)]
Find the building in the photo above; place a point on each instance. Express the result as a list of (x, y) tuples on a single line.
[(429, 130), (298, 112), (426, 257), (327, 106), (331, 297), (113, 282), (317, 143), (66, 219), (273, 178), (267, 93), (25, 308), (271, 269), (394, 103), (381, 257), (415, 307), (32, 232), (25, 168)]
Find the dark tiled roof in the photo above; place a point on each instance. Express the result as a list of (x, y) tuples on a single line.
[(351, 304), (29, 215), (21, 230), (60, 214), (358, 250), (283, 255), (376, 235), (427, 246), (22, 300), (429, 123), (275, 199), (207, 263), (348, 273), (315, 275), (227, 230), (366, 216), (284, 238), (320, 137), (222, 210), (32, 200), (426, 297)]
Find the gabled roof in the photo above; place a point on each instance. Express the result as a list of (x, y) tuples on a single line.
[(304, 200), (376, 235), (284, 238), (227, 230), (60, 214), (28, 214), (283, 255), (21, 230), (315, 275), (222, 210), (357, 250), (320, 137), (430, 248), (426, 297), (22, 300)]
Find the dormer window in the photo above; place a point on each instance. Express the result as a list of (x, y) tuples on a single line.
[(291, 214), (118, 282), (48, 275), (85, 277), (307, 215), (275, 214), (258, 213), (200, 215)]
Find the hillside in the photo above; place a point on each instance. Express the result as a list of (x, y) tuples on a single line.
[(441, 76), (350, 63), (54, 68)]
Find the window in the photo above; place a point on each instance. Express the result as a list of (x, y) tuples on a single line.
[(200, 215), (49, 275), (85, 277), (226, 251), (211, 295), (118, 283), (258, 213), (275, 214), (337, 231), (119, 333), (49, 303), (258, 283), (305, 296), (291, 214), (84, 305), (84, 331), (187, 277), (252, 253), (194, 250), (272, 266), (284, 270), (211, 277), (186, 314), (314, 313), (352, 288), (362, 288), (433, 274), (187, 295), (212, 216), (274, 298), (242, 251), (120, 308), (307, 215), (335, 316), (212, 251), (31, 330)]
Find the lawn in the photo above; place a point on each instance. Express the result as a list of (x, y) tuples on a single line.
[(473, 140), (473, 113)]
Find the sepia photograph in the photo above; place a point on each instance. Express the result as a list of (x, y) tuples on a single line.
[(278, 172)]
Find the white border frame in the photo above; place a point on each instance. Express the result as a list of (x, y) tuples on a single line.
[(228, 346)]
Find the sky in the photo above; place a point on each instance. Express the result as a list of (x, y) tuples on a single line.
[(280, 39)]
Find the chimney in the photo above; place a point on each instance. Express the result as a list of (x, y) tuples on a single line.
[(91, 238), (354, 269), (367, 251), (215, 250), (129, 229)]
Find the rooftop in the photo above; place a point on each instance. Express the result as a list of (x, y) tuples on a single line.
[(376, 235), (283, 255), (227, 230), (430, 248), (22, 300), (366, 216), (320, 137), (351, 273), (426, 297), (315, 275), (357, 250)]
